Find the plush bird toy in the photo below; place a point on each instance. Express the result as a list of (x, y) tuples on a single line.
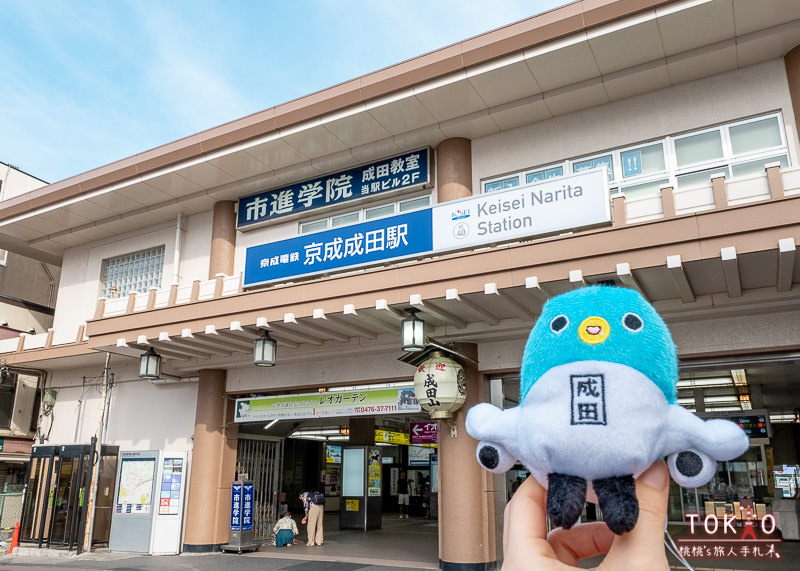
[(598, 405)]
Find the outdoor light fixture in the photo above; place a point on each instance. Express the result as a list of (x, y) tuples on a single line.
[(264, 350), (413, 331), (150, 365)]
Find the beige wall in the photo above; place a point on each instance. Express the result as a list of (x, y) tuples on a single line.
[(80, 283), (142, 416), (726, 97)]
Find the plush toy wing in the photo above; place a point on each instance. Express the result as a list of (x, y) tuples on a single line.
[(598, 389)]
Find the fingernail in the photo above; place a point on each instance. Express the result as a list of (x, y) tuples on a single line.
[(656, 476)]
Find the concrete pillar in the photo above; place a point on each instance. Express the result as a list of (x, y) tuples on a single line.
[(362, 431), (466, 491), (792, 62), (223, 239), (454, 169), (213, 465)]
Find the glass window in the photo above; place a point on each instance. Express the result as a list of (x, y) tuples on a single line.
[(700, 177), (315, 226), (132, 272), (587, 164), (698, 148), (756, 167), (379, 212), (544, 174), (415, 203), (755, 135), (8, 387), (345, 219), (644, 160), (645, 189), (509, 182)]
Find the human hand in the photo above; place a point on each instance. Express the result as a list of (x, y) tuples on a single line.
[(527, 545), (304, 519)]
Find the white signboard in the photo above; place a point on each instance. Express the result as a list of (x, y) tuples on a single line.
[(548, 207)]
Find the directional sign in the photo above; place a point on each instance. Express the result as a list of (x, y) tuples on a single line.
[(424, 432)]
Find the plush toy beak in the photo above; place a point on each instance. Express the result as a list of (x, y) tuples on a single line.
[(594, 330)]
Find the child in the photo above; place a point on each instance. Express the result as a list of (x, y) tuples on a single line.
[(285, 529)]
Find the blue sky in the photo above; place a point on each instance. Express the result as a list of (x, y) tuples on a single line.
[(88, 82)]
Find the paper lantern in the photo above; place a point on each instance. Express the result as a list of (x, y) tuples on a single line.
[(440, 385)]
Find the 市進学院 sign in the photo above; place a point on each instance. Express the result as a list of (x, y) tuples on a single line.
[(402, 172), (558, 205)]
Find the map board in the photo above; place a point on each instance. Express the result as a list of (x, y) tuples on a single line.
[(132, 518)]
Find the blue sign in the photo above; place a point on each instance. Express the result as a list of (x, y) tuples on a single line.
[(396, 173), (350, 246), (242, 506), (247, 507), (236, 507), (631, 163)]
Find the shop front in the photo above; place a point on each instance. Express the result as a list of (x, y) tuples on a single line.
[(352, 444)]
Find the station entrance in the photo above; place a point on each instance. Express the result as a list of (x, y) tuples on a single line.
[(290, 456)]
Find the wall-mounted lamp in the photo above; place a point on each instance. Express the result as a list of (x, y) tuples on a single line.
[(150, 365), (413, 331), (264, 350)]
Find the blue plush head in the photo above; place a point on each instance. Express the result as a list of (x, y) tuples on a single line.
[(601, 323)]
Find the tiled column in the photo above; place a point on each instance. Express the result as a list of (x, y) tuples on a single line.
[(454, 169), (792, 62), (223, 239), (213, 465)]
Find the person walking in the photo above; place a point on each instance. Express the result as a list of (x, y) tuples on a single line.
[(285, 529), (403, 494), (314, 506)]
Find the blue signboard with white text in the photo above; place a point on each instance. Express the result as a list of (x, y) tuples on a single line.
[(242, 506), (350, 246), (402, 172), (544, 208)]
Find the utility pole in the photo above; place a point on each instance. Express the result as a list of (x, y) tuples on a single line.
[(96, 457)]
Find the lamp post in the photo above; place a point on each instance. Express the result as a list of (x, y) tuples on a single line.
[(264, 350), (413, 331)]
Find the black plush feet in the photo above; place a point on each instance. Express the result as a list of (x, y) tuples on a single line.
[(617, 499), (566, 496)]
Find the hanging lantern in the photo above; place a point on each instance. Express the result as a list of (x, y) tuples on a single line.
[(440, 385)]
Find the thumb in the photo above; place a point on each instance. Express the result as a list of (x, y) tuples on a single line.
[(643, 548)]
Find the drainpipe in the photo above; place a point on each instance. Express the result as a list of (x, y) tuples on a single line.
[(52, 294), (176, 278)]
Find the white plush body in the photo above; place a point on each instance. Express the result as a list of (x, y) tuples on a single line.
[(638, 427)]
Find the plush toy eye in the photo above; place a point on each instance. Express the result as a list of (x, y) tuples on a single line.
[(559, 323), (632, 322)]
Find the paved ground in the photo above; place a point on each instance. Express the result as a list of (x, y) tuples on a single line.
[(405, 544)]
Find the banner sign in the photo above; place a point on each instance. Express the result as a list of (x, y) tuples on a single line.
[(424, 432), (403, 172), (351, 246), (318, 405), (548, 207)]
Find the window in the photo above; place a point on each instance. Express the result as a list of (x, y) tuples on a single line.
[(364, 214), (700, 148), (544, 174), (755, 135), (132, 272), (509, 182), (737, 149), (8, 388), (596, 162), (18, 399)]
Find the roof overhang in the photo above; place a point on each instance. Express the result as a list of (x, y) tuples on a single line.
[(573, 58)]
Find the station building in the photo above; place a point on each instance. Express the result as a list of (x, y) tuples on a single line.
[(654, 145)]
